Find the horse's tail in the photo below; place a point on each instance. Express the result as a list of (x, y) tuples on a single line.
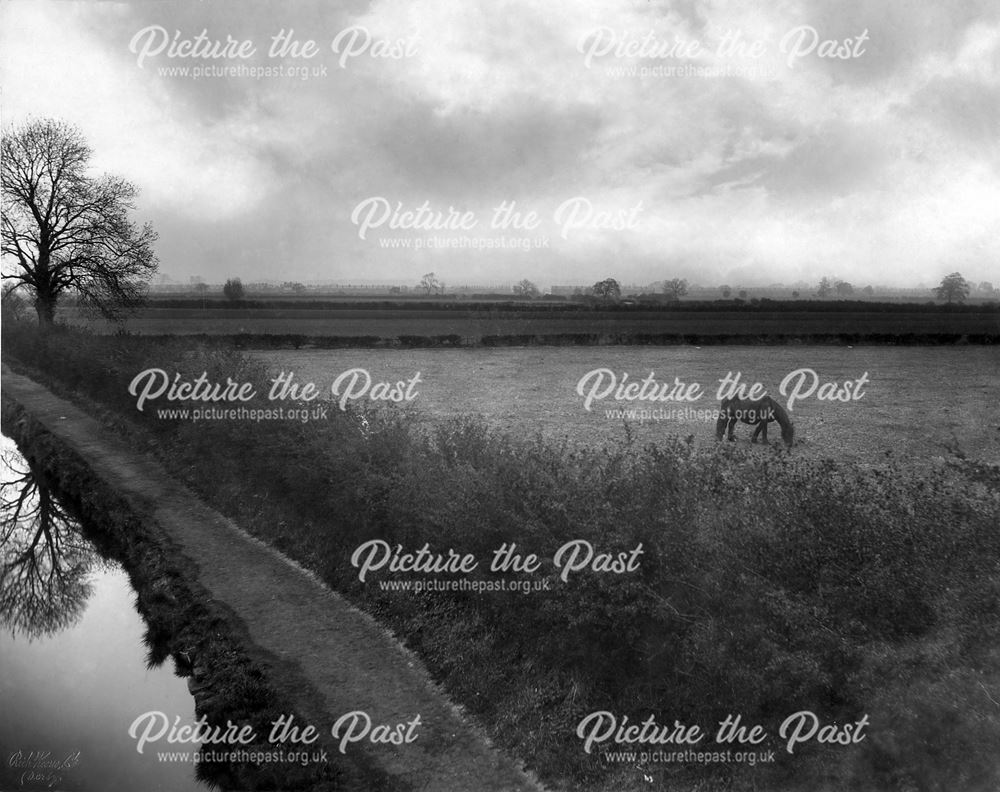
[(784, 421), (723, 422)]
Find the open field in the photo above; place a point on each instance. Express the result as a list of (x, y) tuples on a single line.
[(918, 402), (390, 323)]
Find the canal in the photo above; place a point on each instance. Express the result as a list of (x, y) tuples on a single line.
[(76, 668)]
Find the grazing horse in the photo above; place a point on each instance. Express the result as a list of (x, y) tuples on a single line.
[(760, 412)]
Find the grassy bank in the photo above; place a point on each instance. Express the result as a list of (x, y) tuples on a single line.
[(765, 587)]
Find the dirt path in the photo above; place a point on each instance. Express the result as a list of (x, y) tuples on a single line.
[(328, 657)]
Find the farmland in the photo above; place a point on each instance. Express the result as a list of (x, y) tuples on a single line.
[(471, 324), (770, 583), (918, 401)]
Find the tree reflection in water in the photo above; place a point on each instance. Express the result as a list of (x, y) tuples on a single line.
[(45, 561)]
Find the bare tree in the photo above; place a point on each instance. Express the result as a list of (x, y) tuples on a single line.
[(431, 284), (675, 288), (953, 288), (608, 289), (66, 230), (525, 288)]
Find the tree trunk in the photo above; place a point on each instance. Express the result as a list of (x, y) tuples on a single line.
[(45, 307)]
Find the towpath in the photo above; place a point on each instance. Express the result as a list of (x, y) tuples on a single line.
[(325, 655)]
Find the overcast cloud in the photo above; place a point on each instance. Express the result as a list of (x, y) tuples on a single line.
[(879, 168)]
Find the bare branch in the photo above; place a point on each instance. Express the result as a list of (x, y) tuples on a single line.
[(67, 230)]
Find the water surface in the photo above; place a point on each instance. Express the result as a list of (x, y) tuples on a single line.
[(73, 657)]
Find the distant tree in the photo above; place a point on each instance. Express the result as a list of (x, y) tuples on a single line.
[(868, 291), (726, 291), (607, 289), (795, 295), (825, 288), (395, 290), (233, 289), (201, 289), (985, 287), (675, 288), (13, 306), (743, 294), (953, 288), (525, 288), (65, 230), (430, 284), (844, 289)]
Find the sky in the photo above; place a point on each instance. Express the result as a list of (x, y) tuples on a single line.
[(741, 143)]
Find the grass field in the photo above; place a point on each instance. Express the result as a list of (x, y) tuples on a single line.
[(474, 324), (918, 402)]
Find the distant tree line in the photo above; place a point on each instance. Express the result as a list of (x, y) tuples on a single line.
[(954, 289)]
